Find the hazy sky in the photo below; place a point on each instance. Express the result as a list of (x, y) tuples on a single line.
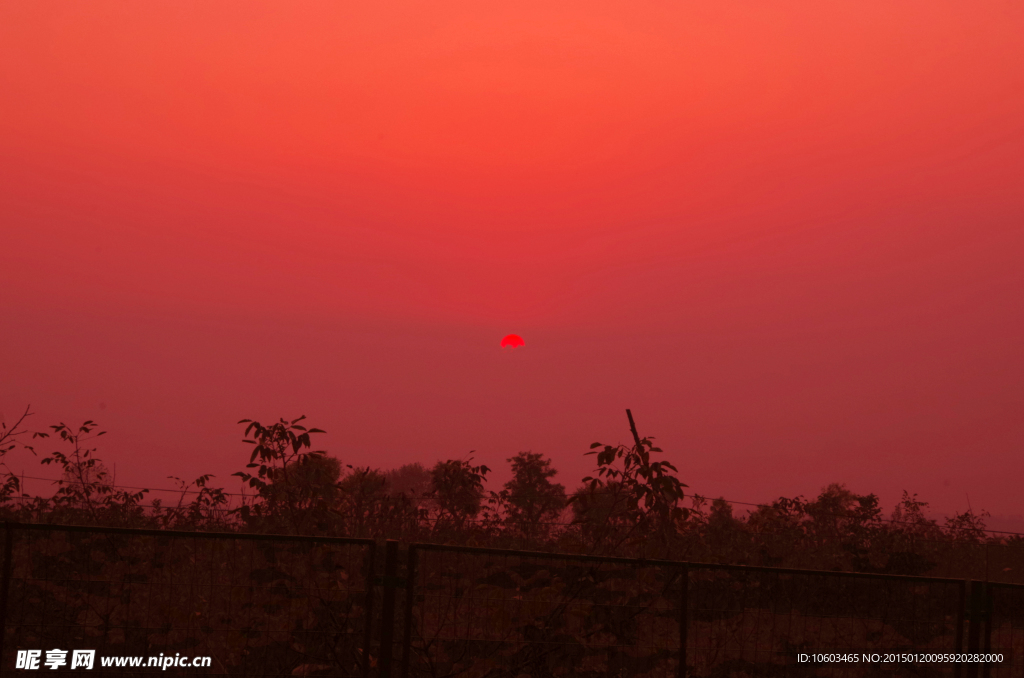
[(788, 235)]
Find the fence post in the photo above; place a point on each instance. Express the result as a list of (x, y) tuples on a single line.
[(960, 615), (976, 612), (986, 668), (684, 604), (5, 585), (370, 565), (410, 600), (387, 618)]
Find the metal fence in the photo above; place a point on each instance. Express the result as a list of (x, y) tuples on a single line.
[(513, 614), (1000, 609), (267, 605), (256, 605)]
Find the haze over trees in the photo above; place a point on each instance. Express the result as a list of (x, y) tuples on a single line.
[(633, 504)]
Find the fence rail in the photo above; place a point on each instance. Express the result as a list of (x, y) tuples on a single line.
[(255, 604), (271, 605)]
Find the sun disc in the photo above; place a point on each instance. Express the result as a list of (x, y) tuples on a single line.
[(512, 341)]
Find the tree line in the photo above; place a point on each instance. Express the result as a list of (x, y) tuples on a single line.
[(633, 504)]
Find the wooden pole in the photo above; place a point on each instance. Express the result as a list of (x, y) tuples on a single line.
[(632, 427)]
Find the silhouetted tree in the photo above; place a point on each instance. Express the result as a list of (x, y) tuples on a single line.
[(457, 488), (85, 487), (11, 438), (363, 501), (207, 508), (290, 479), (643, 496), (530, 500), (410, 480)]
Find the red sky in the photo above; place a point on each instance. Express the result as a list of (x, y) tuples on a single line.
[(788, 235)]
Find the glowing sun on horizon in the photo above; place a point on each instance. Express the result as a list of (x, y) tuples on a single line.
[(512, 341)]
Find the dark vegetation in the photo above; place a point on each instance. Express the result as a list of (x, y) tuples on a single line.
[(288, 606), (633, 504)]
